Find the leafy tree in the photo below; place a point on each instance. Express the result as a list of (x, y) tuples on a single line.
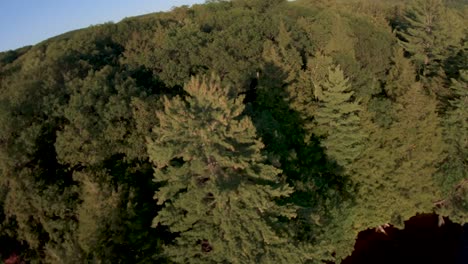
[(218, 193), (259, 5), (372, 51), (98, 215), (43, 218), (99, 119)]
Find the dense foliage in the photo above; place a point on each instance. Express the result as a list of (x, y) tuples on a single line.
[(243, 131)]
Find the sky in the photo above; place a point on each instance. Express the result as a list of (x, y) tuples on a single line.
[(27, 22)]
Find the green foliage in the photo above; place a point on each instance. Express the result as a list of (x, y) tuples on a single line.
[(453, 172), (435, 33), (423, 36), (318, 68), (401, 75), (258, 5), (218, 195), (338, 119), (97, 119), (288, 165), (395, 174), (383, 114), (97, 214)]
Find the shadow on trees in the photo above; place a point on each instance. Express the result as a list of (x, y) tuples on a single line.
[(318, 181), (141, 242)]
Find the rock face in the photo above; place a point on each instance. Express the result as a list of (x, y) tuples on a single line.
[(422, 241)]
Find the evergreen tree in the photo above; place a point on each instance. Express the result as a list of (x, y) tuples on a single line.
[(434, 34), (422, 36), (453, 173), (218, 194), (395, 174), (318, 67), (284, 55), (308, 90), (341, 32), (401, 76), (284, 70), (75, 168), (338, 120)]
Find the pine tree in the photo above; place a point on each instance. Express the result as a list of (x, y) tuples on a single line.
[(456, 129), (338, 119), (422, 35), (291, 98), (397, 169), (453, 174), (284, 55), (307, 90), (286, 70), (435, 33), (218, 194), (341, 32), (401, 76), (416, 143)]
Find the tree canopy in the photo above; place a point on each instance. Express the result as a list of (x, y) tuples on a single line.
[(241, 131)]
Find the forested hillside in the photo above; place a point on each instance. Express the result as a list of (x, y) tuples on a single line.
[(243, 131)]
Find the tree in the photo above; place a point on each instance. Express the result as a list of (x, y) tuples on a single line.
[(259, 5), (287, 100), (283, 55), (218, 194), (285, 84), (77, 164), (338, 120), (98, 119), (434, 34), (423, 33), (98, 215), (396, 172), (318, 67), (453, 172), (401, 76)]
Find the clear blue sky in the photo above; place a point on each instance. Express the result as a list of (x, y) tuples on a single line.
[(27, 22)]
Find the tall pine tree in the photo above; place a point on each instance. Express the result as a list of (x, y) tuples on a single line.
[(453, 173), (338, 119), (397, 169), (435, 36), (422, 38), (401, 76), (218, 194)]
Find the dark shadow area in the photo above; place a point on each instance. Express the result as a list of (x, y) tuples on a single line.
[(319, 183), (138, 242), (422, 241)]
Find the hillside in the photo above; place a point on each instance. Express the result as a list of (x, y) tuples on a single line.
[(243, 131)]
